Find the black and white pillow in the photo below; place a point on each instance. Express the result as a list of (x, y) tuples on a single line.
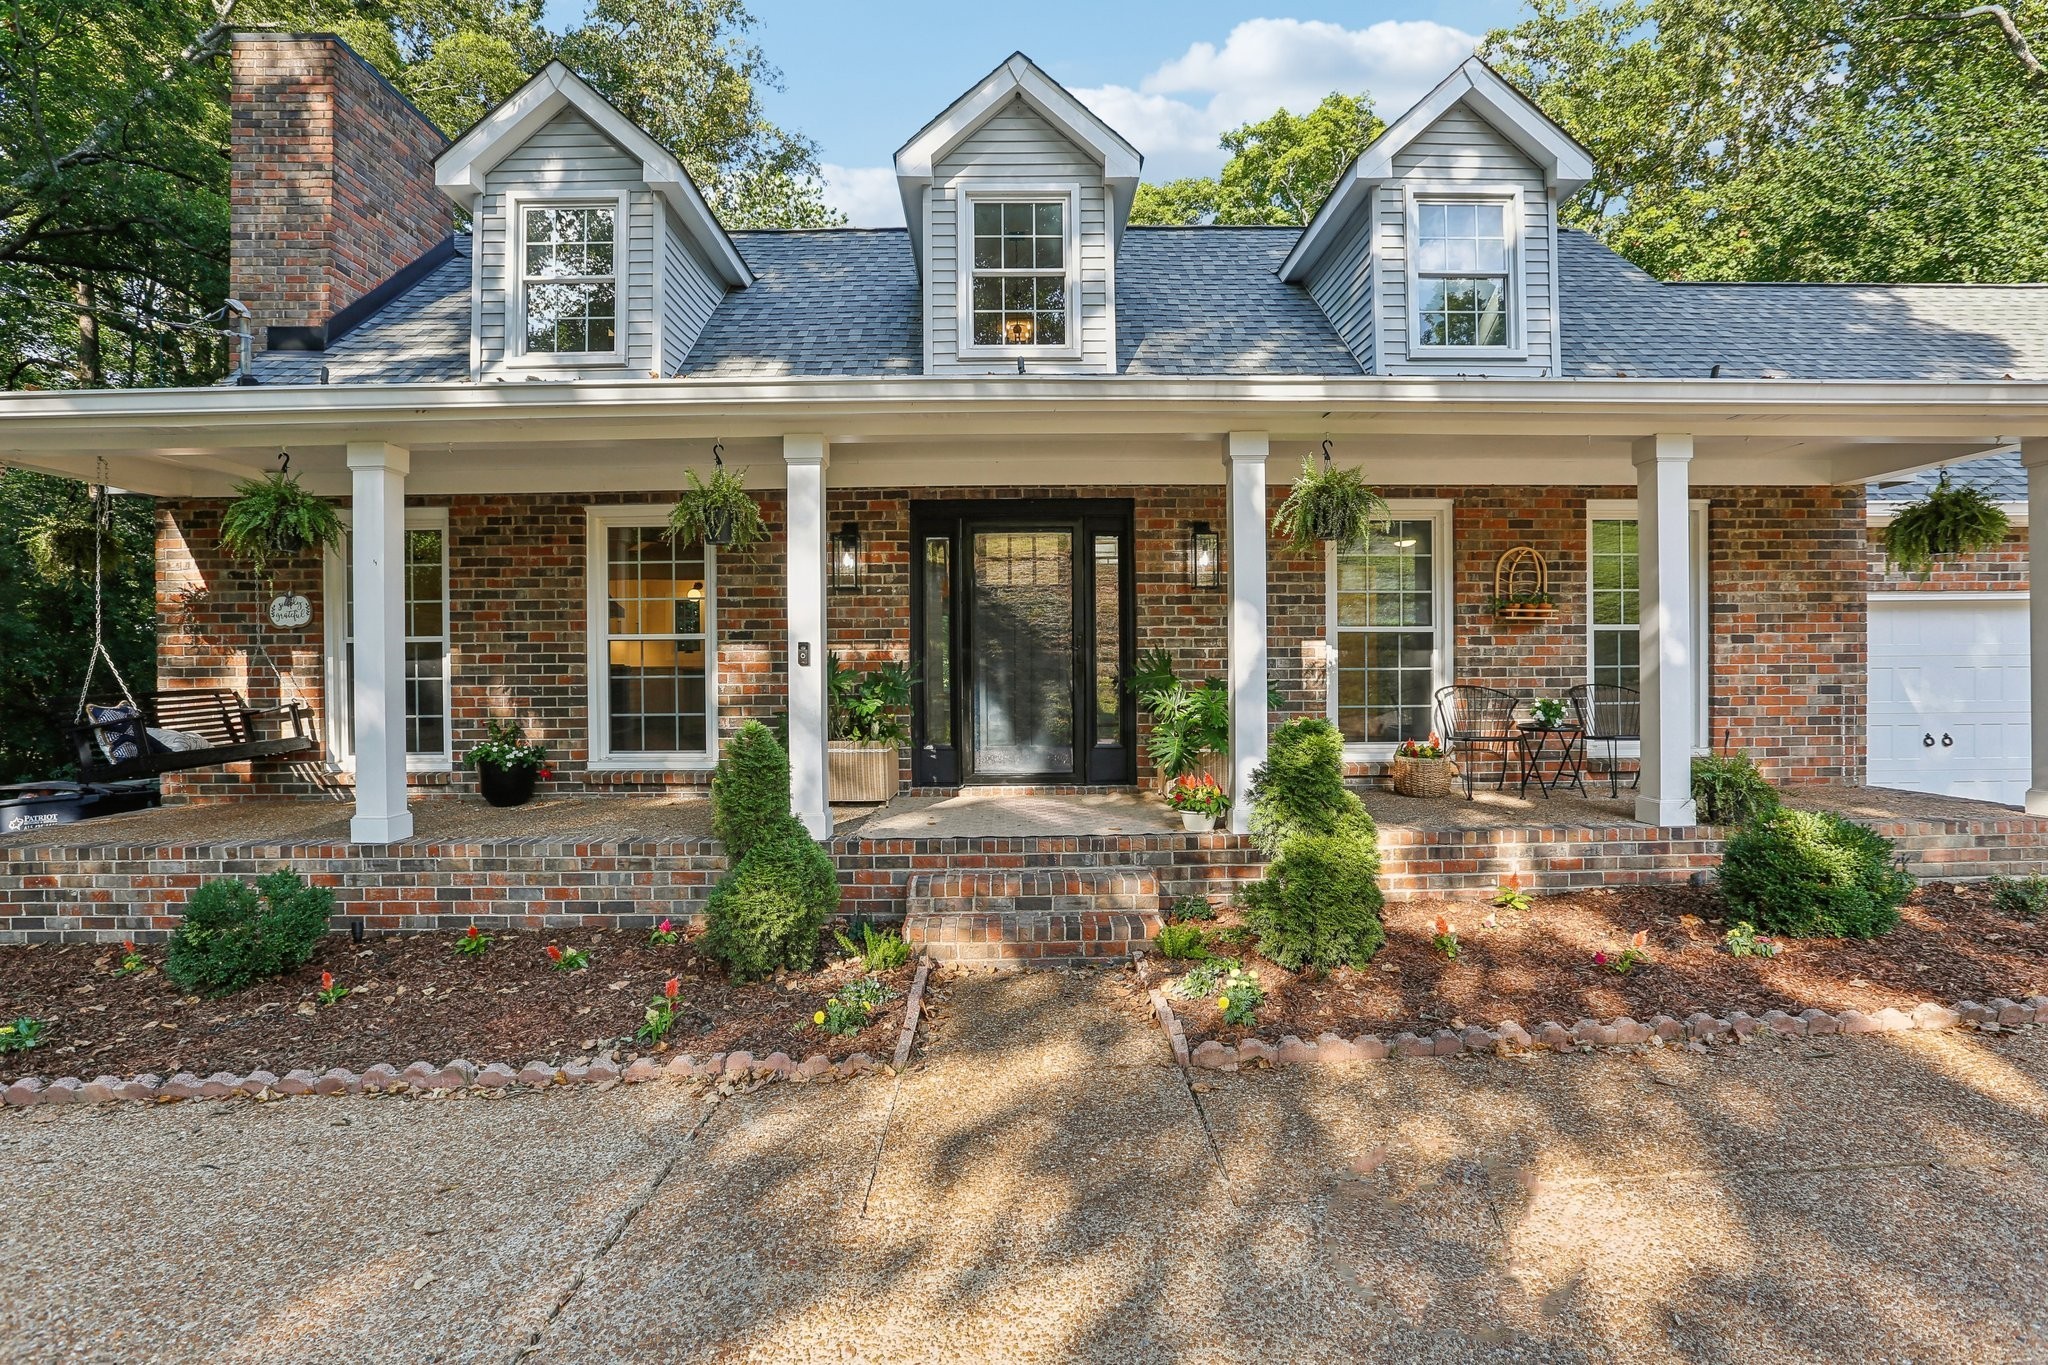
[(119, 731)]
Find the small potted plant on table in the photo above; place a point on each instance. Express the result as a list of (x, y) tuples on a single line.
[(867, 730), (506, 765), (1422, 768), (1200, 801)]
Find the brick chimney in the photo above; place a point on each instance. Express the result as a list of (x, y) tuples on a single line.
[(331, 188)]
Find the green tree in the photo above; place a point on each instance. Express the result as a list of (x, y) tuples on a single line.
[(1280, 170)]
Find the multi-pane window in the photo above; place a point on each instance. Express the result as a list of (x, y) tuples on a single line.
[(569, 269), (656, 643), (1387, 638), (1462, 264), (1018, 288), (1617, 601), (426, 646)]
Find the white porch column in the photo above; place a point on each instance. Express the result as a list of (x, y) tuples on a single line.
[(805, 456), (377, 556), (1244, 460), (2034, 455), (1663, 544)]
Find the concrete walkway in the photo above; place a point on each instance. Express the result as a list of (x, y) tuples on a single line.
[(1042, 1185)]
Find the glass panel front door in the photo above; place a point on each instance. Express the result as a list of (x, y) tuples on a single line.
[(1022, 708)]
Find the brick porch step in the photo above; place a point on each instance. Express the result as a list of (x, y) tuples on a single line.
[(1032, 918)]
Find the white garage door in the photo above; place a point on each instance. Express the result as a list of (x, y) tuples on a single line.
[(1955, 673)]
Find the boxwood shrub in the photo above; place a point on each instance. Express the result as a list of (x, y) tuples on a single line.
[(750, 790), (768, 911), (233, 935), (1813, 874), (1319, 902)]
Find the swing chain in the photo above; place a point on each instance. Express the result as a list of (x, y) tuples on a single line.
[(102, 516)]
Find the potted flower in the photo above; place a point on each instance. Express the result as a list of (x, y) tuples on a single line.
[(718, 513), (506, 765), (1422, 768), (1200, 801), (1949, 521), (867, 711), (1549, 713), (273, 519), (1327, 505)]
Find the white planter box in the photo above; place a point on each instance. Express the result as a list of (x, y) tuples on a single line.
[(859, 773)]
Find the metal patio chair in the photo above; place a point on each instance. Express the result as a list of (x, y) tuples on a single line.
[(1475, 719), (1609, 714)]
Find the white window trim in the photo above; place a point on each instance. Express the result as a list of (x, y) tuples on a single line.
[(340, 701), (1459, 192), (1624, 509), (1006, 191), (598, 520), (1438, 511), (516, 204)]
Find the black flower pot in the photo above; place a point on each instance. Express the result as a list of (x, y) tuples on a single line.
[(718, 524), (507, 786)]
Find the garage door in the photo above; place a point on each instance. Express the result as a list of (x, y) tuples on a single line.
[(1953, 673)]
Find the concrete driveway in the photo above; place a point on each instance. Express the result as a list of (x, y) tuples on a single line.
[(1043, 1185)]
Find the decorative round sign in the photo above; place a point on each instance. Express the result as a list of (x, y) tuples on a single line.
[(290, 611)]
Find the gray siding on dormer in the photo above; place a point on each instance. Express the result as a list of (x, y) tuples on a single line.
[(1015, 144), (690, 293), (568, 159), (1342, 287), (1464, 149)]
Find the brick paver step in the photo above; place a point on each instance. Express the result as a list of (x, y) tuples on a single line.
[(1028, 917)]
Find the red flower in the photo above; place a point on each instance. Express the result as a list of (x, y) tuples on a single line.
[(672, 987), (665, 929), (327, 981), (554, 953), (546, 773), (472, 931), (1599, 959), (128, 946)]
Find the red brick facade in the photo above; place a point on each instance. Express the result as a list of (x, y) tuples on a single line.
[(332, 185), (2003, 569)]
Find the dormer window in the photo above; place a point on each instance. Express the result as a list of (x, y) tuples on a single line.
[(1464, 274), (1021, 278), (569, 283)]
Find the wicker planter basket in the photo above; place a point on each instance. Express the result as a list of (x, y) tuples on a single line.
[(1215, 766), (859, 773), (1423, 776)]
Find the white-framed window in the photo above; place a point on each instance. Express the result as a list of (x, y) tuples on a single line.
[(1020, 281), (652, 643), (568, 263), (1614, 603), (1464, 273), (429, 732), (1389, 628)]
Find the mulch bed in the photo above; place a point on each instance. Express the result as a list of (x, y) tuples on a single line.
[(1537, 965), (416, 1000)]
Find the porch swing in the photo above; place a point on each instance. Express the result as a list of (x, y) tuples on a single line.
[(172, 730)]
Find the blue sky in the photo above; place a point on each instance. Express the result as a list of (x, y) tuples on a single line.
[(862, 76)]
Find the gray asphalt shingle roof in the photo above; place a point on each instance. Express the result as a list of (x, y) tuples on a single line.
[(2002, 478), (1208, 301)]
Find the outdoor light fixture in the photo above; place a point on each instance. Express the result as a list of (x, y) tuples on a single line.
[(846, 559), (1205, 557)]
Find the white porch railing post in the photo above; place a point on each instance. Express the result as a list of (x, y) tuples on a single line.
[(1663, 544), (805, 457), (1244, 461), (2034, 455), (377, 533)]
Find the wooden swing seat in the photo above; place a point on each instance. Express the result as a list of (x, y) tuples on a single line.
[(217, 713)]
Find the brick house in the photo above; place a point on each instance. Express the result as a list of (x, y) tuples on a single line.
[(1016, 446)]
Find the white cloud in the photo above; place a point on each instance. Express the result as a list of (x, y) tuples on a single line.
[(1176, 113), (865, 194)]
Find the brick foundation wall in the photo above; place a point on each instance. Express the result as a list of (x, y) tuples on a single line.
[(331, 186), (2001, 569)]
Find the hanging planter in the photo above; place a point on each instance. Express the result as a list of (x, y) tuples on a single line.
[(1948, 522), (61, 545), (1521, 586), (1327, 505), (273, 519), (718, 513)]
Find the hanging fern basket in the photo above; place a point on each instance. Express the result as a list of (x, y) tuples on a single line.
[(1947, 523), (60, 546), (1327, 505), (274, 520), (718, 513)]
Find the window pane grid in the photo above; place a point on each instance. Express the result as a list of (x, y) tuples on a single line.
[(570, 268), (656, 645), (1018, 285), (1461, 263), (424, 614), (1386, 674)]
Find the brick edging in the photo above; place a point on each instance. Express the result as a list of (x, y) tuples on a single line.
[(1586, 1034), (908, 1038), (1169, 1022), (457, 1077)]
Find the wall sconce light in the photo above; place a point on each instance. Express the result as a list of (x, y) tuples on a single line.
[(1205, 557), (846, 559)]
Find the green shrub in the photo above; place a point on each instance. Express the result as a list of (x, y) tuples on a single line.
[(234, 935), (1182, 942), (750, 790), (2026, 897), (1727, 789), (1813, 874), (1191, 908), (1203, 979), (879, 950), (1319, 901), (767, 912), (853, 1008)]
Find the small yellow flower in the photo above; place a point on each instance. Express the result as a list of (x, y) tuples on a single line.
[(818, 1018), (1222, 1002)]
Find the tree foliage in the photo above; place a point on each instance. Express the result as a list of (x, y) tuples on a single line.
[(1281, 169), (1797, 140)]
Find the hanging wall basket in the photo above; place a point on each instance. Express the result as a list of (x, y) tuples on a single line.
[(1521, 586)]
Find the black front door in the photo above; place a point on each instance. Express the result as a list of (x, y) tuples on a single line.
[(1022, 627)]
